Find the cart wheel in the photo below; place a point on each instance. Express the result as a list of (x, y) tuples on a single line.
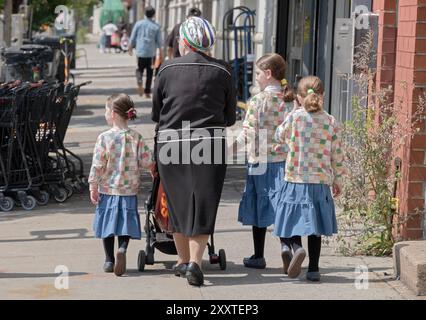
[(43, 199), (84, 182), (29, 203), (69, 190), (222, 259), (78, 187), (141, 261), (62, 197), (7, 204), (83, 187)]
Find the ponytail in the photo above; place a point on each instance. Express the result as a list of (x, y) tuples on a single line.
[(311, 89), (287, 92), (313, 102)]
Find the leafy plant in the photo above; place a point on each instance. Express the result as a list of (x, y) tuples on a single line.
[(379, 128)]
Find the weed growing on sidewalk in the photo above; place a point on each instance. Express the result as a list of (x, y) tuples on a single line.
[(380, 129)]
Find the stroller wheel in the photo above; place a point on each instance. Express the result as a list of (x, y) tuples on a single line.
[(222, 259), (29, 203), (43, 199), (7, 204), (62, 197), (141, 261)]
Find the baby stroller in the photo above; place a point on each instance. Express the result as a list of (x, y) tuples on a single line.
[(159, 234)]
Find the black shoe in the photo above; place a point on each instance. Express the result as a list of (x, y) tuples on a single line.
[(108, 267), (180, 269), (254, 263), (194, 275), (313, 276)]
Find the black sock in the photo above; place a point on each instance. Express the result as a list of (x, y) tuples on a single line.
[(259, 235), (123, 242), (314, 248), (109, 249), (285, 242), (296, 243)]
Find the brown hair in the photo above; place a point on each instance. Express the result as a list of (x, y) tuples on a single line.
[(277, 65), (311, 88), (122, 105)]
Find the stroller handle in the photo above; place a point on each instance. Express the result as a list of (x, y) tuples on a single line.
[(84, 84)]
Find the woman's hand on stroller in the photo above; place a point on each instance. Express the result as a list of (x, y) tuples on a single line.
[(94, 196)]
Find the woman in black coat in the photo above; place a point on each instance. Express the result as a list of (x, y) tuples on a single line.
[(194, 102)]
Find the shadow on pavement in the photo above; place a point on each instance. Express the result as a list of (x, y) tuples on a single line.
[(44, 235)]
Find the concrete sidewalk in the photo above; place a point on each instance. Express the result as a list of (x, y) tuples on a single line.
[(33, 245)]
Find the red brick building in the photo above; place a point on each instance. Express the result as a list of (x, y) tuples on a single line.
[(402, 64)]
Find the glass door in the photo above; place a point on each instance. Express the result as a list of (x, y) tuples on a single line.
[(301, 39)]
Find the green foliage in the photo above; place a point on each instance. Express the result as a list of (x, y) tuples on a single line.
[(44, 10), (378, 129)]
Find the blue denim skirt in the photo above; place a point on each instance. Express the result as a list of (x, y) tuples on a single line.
[(117, 216), (304, 210), (258, 206)]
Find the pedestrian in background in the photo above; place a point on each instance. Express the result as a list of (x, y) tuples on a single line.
[(174, 37), (146, 39), (109, 29)]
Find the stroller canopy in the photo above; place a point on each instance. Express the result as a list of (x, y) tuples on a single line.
[(112, 11)]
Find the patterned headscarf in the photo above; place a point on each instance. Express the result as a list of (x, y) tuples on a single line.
[(198, 34)]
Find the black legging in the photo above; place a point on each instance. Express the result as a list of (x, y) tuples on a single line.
[(123, 242), (259, 235)]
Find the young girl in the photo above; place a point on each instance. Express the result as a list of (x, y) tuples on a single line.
[(119, 157), (314, 163), (266, 111)]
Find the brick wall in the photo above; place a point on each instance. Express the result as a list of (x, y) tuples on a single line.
[(404, 66), (386, 57)]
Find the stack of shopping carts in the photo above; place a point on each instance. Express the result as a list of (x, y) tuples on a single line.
[(34, 163), (29, 62)]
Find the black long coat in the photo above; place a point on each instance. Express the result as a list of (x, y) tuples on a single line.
[(196, 90)]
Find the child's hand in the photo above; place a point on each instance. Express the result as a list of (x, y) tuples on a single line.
[(94, 197), (337, 190)]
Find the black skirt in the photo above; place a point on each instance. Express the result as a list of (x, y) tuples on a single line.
[(193, 183)]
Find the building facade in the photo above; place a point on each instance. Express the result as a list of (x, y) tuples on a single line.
[(316, 37)]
